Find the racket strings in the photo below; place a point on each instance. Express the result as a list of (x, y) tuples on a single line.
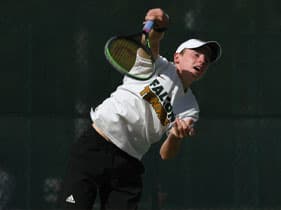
[(123, 52)]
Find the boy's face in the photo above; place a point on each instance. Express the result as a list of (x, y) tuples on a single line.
[(192, 64)]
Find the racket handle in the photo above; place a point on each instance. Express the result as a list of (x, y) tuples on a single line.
[(148, 26)]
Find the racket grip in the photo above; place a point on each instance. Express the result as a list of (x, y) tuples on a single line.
[(148, 26)]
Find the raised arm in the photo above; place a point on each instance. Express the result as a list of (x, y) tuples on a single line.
[(161, 21)]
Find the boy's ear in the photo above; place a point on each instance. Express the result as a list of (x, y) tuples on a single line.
[(176, 58)]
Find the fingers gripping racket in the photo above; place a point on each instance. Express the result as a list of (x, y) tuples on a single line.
[(121, 52)]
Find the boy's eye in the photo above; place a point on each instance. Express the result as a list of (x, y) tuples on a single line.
[(196, 54)]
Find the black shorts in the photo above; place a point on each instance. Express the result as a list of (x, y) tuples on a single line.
[(98, 166)]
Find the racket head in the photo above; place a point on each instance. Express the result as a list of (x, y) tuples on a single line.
[(121, 52)]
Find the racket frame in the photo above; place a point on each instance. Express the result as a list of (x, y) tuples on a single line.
[(132, 38)]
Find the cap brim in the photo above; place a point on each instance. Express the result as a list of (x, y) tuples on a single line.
[(215, 48)]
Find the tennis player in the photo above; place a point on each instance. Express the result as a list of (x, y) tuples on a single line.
[(106, 160)]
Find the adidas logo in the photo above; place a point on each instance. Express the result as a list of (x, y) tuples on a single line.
[(70, 199)]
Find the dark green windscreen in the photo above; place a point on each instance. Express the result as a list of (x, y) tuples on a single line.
[(52, 70)]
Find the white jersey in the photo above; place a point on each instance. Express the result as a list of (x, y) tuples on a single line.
[(138, 113)]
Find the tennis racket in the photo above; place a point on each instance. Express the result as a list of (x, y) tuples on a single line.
[(121, 53)]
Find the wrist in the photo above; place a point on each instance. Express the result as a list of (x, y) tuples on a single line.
[(160, 30), (175, 138)]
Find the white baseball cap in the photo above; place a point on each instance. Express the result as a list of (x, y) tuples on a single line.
[(196, 43)]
